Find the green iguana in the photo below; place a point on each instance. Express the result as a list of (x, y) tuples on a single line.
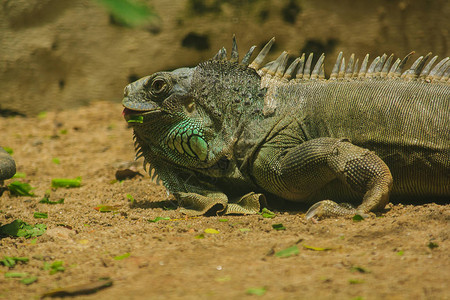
[(226, 132)]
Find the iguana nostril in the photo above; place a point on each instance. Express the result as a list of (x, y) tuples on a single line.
[(126, 91)]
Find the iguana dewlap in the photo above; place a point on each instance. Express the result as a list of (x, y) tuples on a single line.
[(225, 133)]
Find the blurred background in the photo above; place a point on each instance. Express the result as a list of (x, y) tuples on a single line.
[(60, 54)]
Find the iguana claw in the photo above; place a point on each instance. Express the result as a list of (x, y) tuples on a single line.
[(328, 208)]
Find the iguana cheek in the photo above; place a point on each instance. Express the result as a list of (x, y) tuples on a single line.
[(199, 146), (188, 142)]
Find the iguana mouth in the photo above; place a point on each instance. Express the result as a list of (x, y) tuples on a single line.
[(137, 116), (126, 112)]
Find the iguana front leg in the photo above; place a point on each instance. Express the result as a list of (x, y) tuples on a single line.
[(298, 173), (198, 204)]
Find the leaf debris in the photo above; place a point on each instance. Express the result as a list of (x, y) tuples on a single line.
[(66, 182), (293, 250), (18, 228), (18, 188)]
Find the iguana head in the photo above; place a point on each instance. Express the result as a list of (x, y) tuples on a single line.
[(191, 117)]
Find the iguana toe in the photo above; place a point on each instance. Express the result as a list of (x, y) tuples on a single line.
[(328, 208)]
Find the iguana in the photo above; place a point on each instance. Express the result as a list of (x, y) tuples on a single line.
[(226, 132)]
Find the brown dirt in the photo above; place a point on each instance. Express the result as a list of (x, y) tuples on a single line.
[(166, 259)]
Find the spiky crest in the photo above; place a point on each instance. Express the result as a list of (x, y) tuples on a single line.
[(378, 68)]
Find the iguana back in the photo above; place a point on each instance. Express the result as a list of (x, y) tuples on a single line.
[(405, 122)]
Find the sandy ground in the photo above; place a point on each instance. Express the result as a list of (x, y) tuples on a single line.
[(403, 253)]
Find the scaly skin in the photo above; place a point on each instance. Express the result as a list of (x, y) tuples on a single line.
[(224, 134)]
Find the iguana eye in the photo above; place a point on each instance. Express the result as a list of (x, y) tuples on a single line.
[(158, 85)]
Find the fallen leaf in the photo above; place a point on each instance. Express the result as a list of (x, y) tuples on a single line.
[(15, 275), (120, 257), (259, 291), (158, 219), (355, 281), (266, 213), (18, 188), (18, 228), (29, 280), (357, 218), (432, 245), (278, 227), (315, 248), (46, 200), (81, 289), (358, 269), (40, 215), (65, 182), (107, 208), (293, 250), (10, 261)]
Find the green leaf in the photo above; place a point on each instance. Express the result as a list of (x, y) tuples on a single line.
[(56, 160), (45, 200), (63, 131), (106, 208), (355, 281), (18, 228), (65, 182), (400, 253), (55, 267), (432, 245), (200, 236), (358, 269), (259, 291), (211, 231), (120, 257), (267, 213), (131, 198), (357, 218), (245, 229), (158, 219), (278, 227), (9, 150), (19, 175), (18, 188), (136, 119), (15, 275), (287, 252), (29, 280), (130, 13), (42, 115), (40, 215), (223, 220), (10, 261)]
